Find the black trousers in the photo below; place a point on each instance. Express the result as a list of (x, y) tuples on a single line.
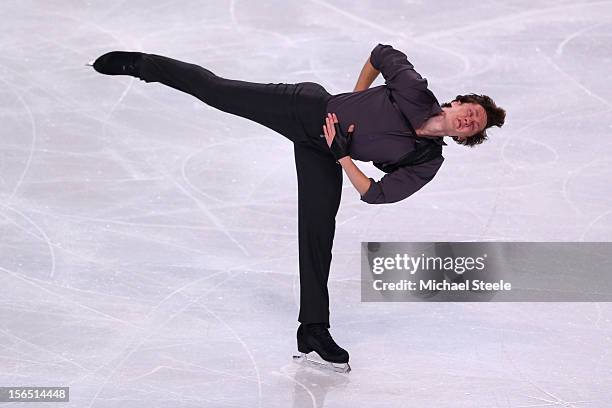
[(296, 111)]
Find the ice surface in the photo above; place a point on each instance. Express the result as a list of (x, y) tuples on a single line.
[(148, 253)]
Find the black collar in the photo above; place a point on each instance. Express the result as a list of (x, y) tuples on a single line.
[(437, 140)]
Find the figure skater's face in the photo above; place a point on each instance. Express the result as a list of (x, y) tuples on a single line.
[(465, 119)]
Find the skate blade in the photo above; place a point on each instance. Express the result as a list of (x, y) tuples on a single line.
[(337, 367)]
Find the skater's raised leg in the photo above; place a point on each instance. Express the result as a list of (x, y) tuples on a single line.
[(285, 108)]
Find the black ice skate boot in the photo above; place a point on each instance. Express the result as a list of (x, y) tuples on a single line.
[(119, 63), (316, 337)]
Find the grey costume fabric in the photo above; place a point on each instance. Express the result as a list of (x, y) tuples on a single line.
[(381, 134)]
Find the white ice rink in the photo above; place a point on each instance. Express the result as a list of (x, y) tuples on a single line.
[(148, 248)]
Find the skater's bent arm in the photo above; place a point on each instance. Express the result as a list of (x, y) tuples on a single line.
[(366, 77), (401, 183), (359, 180)]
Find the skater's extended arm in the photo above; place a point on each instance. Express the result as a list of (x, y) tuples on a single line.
[(366, 77)]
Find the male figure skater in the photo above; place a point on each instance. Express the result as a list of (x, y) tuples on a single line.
[(399, 126)]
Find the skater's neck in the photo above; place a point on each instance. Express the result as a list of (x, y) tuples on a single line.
[(433, 127)]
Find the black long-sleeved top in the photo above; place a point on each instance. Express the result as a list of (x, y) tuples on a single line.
[(381, 134)]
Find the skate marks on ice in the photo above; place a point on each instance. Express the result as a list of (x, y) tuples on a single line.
[(548, 398), (311, 385)]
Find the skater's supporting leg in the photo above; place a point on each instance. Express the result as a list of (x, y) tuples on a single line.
[(319, 191)]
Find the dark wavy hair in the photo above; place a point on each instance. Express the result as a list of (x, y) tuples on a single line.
[(495, 116)]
